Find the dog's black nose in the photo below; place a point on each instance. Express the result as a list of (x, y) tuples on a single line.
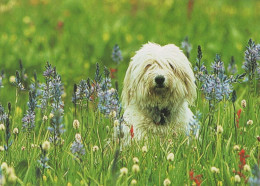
[(159, 80)]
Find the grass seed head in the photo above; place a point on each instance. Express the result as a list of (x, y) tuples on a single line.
[(249, 122), (243, 103), (95, 148), (166, 182), (76, 124), (214, 170), (236, 147), (78, 137), (15, 131), (51, 115), (135, 160), (170, 157), (124, 171), (247, 168), (237, 178), (135, 168), (2, 148), (144, 149), (46, 145), (45, 118), (12, 79), (219, 129), (133, 182), (112, 114)]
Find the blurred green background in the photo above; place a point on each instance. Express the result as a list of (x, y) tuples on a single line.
[(75, 34)]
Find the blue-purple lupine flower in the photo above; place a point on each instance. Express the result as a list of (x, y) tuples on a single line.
[(252, 55), (3, 115), (77, 148), (57, 127), (35, 86), (255, 179), (216, 86), (46, 89), (45, 96), (108, 101), (200, 69), (218, 66), (49, 71), (43, 162), (84, 91), (18, 81), (98, 76), (117, 54), (29, 118), (186, 46), (194, 125)]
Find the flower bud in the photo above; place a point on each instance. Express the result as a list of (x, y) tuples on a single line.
[(144, 149), (15, 131), (243, 103), (46, 145), (170, 157), (76, 124), (166, 182), (124, 171)]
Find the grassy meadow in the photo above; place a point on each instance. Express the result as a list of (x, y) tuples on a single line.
[(60, 122)]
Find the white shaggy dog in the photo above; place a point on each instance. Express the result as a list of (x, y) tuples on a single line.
[(159, 86)]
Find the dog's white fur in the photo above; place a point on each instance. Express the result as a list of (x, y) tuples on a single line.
[(145, 104)]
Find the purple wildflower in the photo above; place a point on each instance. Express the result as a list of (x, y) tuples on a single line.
[(252, 55), (3, 115), (255, 180), (43, 158), (216, 85), (84, 91), (117, 54), (56, 90), (218, 66), (29, 118), (186, 46), (194, 125), (49, 72), (77, 148), (108, 101), (18, 81)]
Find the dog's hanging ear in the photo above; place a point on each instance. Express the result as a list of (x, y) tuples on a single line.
[(126, 92)]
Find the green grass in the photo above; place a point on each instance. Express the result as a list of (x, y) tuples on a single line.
[(29, 31)]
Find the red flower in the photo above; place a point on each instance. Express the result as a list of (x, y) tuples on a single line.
[(242, 158), (112, 73), (238, 116), (132, 131), (196, 179)]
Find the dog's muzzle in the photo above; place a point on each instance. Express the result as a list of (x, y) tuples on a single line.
[(159, 80)]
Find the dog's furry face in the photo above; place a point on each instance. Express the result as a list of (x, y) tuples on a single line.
[(159, 76)]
